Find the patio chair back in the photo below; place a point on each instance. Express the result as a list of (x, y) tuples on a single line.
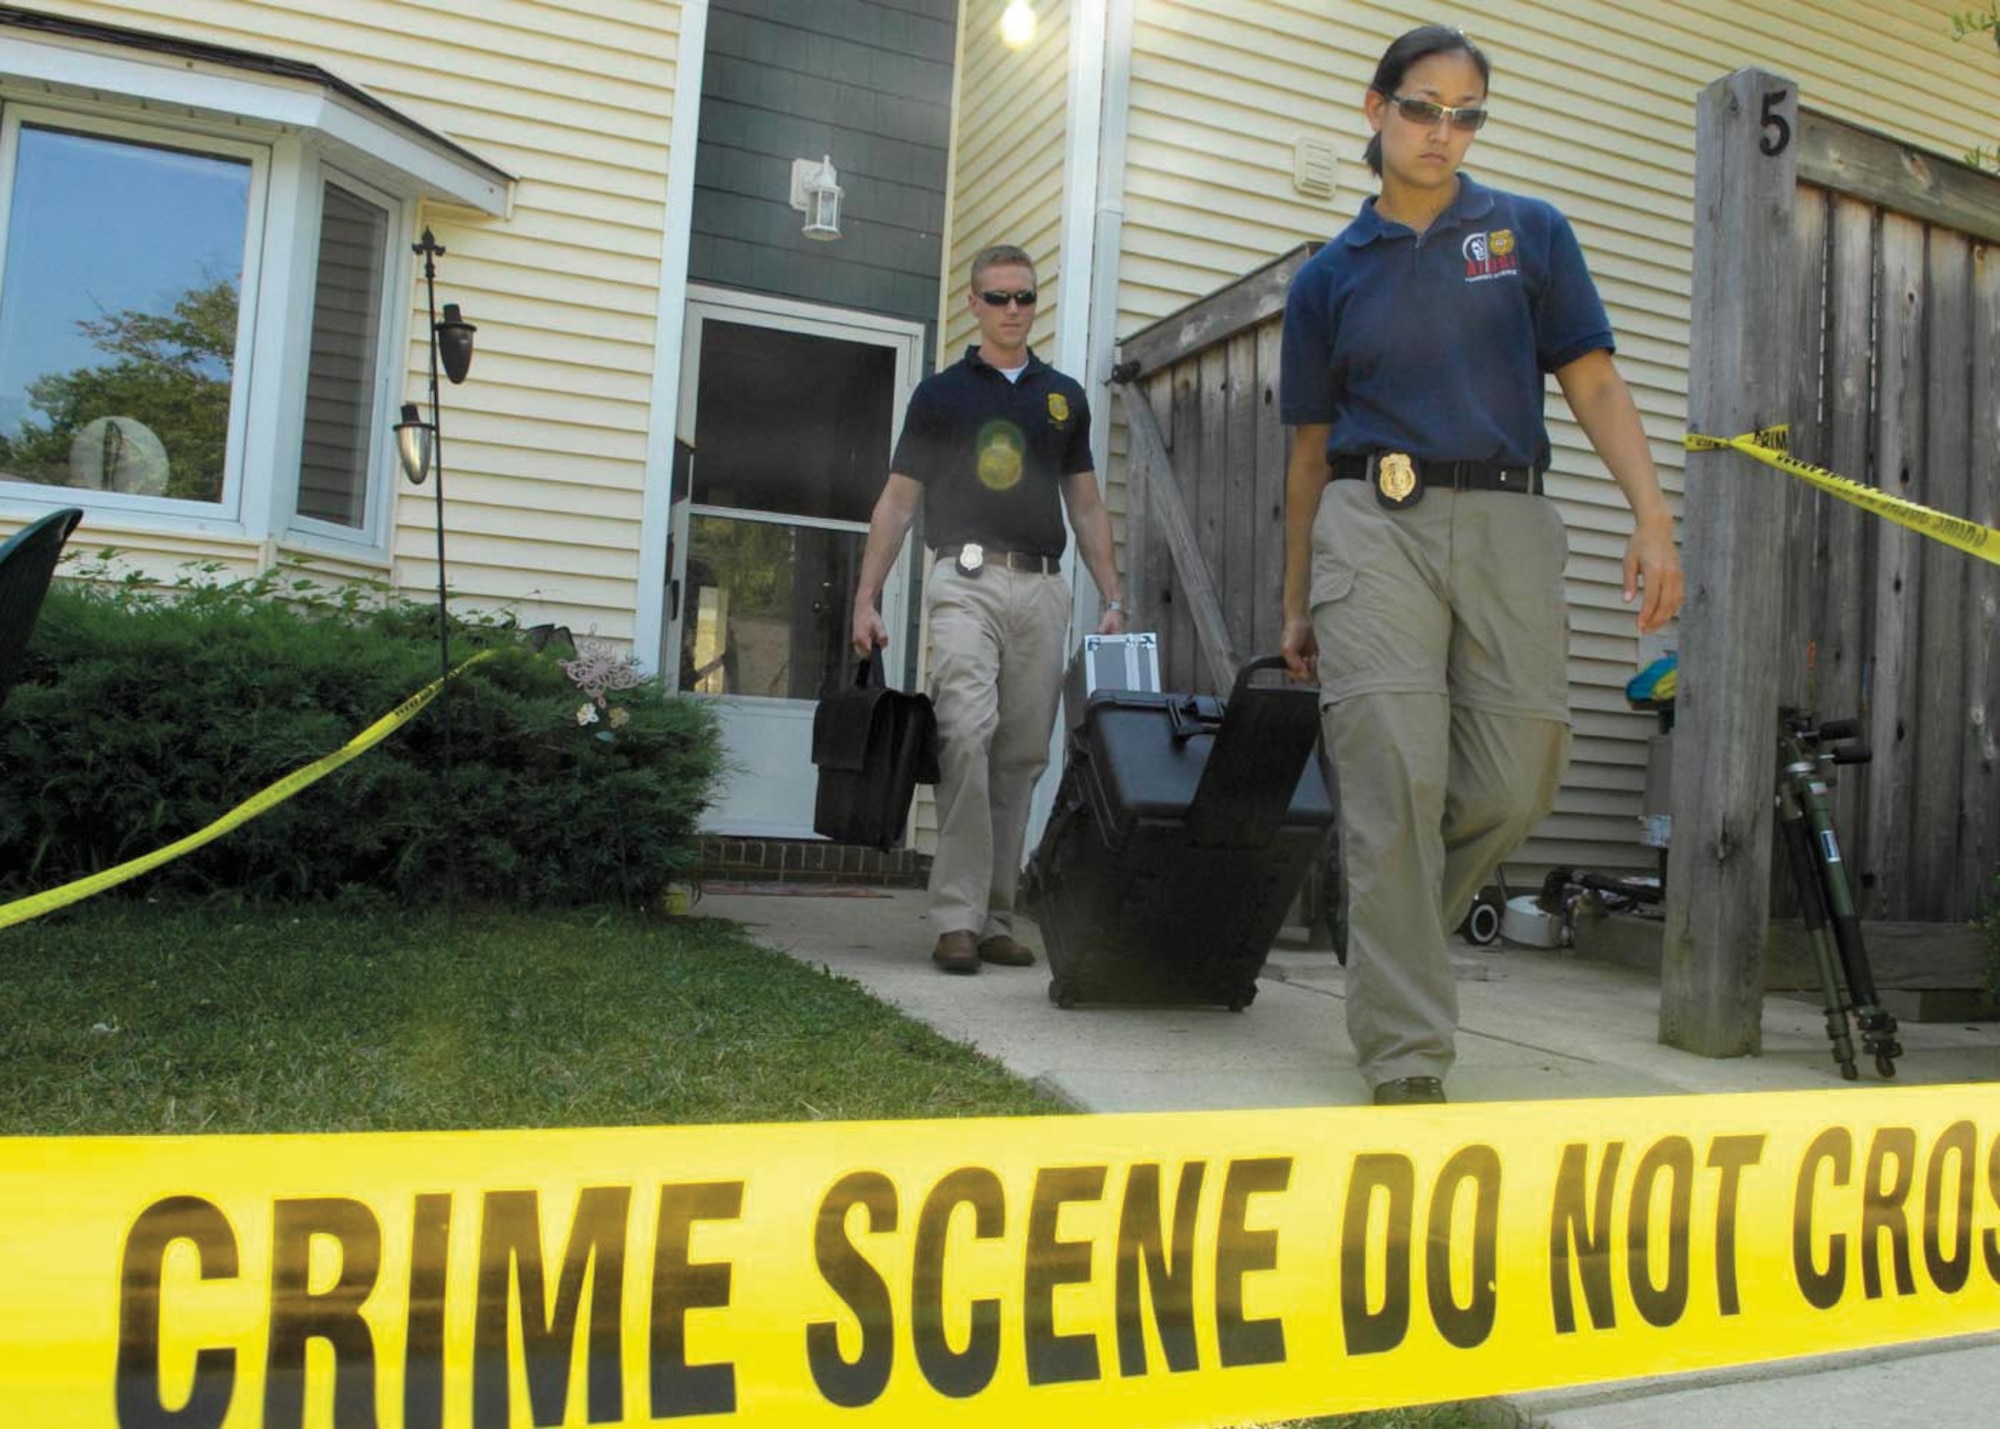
[(27, 563)]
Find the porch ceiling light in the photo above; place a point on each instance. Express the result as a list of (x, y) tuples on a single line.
[(416, 440), (1017, 24), (816, 192)]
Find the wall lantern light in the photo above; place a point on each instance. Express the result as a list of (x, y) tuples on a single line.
[(454, 340), (416, 441), (816, 193)]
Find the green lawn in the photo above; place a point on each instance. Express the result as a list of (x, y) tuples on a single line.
[(126, 1018), (130, 1018)]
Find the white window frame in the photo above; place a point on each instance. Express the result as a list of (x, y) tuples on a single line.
[(224, 513), (304, 132), (392, 340)]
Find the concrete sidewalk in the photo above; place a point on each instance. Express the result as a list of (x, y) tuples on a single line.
[(1534, 1025)]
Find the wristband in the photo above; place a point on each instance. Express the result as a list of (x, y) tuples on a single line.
[(1115, 605)]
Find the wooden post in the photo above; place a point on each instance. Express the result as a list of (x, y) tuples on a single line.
[(1150, 464), (1725, 727)]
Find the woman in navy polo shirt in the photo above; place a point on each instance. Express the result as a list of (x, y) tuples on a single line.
[(1423, 565)]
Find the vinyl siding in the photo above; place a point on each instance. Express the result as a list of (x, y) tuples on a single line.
[(865, 82), (546, 440), (1593, 109), (1007, 161)]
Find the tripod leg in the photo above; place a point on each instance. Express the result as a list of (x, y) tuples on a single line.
[(1877, 1024), (1812, 908)]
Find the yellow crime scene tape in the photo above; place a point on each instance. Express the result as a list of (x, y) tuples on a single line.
[(266, 798), (1143, 1270), (1771, 445)]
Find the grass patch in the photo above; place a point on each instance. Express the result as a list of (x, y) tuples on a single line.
[(137, 1019), (1430, 1416)]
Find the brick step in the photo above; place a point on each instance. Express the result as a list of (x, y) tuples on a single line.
[(810, 861)]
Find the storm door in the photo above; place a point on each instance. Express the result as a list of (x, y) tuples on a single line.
[(790, 411)]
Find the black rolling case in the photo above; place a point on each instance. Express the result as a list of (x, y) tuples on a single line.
[(1182, 830)]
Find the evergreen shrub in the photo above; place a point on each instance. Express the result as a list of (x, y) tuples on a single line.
[(144, 715)]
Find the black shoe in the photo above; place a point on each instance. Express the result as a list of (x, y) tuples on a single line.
[(1410, 1091)]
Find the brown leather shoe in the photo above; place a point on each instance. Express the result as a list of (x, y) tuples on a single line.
[(1410, 1091), (956, 952), (1006, 952)]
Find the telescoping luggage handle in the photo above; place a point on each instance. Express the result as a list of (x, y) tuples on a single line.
[(1262, 662), (1260, 755)]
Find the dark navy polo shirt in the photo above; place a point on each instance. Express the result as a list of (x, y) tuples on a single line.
[(1435, 344), (991, 454)]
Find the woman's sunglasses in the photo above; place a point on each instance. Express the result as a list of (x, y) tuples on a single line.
[(1421, 111), (1000, 297)]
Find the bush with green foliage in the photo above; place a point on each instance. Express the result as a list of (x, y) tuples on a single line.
[(144, 715)]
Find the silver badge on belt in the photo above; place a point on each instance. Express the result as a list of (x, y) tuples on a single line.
[(971, 558)]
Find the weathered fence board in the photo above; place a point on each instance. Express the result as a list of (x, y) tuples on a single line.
[(1718, 873), (1979, 857), (1239, 501), (1273, 452), (1846, 554), (1900, 376), (1153, 468), (1928, 187), (1938, 793)]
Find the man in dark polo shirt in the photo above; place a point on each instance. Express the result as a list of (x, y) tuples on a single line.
[(993, 446)]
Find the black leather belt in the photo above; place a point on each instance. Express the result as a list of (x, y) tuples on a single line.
[(1012, 560), (1448, 475)]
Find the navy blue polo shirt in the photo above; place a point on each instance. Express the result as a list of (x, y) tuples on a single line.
[(1435, 343), (991, 453)]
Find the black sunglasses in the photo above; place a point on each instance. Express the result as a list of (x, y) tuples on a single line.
[(1422, 111), (1000, 297)]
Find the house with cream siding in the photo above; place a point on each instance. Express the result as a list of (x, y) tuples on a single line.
[(681, 403)]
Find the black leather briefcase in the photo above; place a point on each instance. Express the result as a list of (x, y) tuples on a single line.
[(872, 746)]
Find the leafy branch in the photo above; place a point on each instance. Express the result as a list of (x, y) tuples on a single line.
[(1974, 22)]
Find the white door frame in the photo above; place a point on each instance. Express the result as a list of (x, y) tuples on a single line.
[(905, 339)]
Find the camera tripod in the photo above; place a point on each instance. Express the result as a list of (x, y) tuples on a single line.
[(1812, 852), (1825, 901)]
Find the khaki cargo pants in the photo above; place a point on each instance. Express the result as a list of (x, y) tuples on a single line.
[(1443, 659), (997, 647)]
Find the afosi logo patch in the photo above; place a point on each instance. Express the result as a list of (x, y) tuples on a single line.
[(1490, 255), (1058, 408)]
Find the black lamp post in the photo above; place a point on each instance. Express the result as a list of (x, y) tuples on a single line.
[(420, 447)]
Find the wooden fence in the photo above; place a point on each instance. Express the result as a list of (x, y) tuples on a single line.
[(1845, 285), (1205, 528)]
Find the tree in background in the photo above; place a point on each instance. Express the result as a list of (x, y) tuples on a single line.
[(1974, 22), (169, 371)]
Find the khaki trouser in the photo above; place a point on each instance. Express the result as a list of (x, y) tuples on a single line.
[(1443, 651), (997, 642)]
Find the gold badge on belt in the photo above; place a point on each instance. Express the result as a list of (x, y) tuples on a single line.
[(1395, 476)]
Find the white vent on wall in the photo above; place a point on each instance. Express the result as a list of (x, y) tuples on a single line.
[(1315, 169)]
